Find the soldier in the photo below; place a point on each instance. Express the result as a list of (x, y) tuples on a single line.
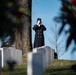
[(39, 36)]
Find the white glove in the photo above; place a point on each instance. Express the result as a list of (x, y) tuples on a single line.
[(38, 24)]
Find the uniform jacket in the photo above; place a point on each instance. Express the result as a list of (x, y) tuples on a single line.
[(39, 36)]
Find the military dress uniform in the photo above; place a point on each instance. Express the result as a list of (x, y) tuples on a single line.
[(39, 36)]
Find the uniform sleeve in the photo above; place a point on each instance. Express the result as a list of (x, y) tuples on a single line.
[(43, 27), (35, 27)]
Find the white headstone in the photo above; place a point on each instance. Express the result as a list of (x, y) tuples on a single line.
[(34, 64), (29, 63), (19, 56), (0, 61), (10, 53), (42, 51), (47, 56), (50, 54)]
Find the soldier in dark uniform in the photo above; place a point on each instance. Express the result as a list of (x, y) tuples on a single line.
[(39, 36)]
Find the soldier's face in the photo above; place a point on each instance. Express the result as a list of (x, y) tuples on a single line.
[(39, 21)]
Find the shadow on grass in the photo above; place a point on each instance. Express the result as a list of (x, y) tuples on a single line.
[(73, 67), (19, 70)]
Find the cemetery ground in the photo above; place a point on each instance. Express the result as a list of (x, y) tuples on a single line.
[(59, 67)]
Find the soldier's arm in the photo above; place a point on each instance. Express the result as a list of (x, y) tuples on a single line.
[(35, 27), (43, 27)]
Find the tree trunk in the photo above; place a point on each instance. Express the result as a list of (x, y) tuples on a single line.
[(23, 37)]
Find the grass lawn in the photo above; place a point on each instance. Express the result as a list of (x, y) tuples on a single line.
[(62, 67), (19, 70), (59, 67)]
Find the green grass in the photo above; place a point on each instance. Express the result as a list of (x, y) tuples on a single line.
[(62, 67), (59, 67), (18, 70)]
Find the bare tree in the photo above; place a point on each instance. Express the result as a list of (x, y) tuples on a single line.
[(56, 43)]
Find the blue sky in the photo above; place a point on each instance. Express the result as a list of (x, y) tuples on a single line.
[(47, 10)]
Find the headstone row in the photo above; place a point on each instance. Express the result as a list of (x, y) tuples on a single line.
[(39, 59)]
